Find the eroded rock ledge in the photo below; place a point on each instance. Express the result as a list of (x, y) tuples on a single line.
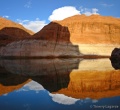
[(34, 48)]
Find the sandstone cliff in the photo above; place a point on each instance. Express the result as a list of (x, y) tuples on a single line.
[(94, 34), (11, 31), (75, 36), (55, 43), (87, 29)]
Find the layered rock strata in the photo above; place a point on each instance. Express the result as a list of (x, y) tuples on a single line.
[(55, 43), (92, 35), (95, 34)]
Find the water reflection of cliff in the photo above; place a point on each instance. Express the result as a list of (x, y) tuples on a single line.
[(52, 74), (59, 76), (115, 63)]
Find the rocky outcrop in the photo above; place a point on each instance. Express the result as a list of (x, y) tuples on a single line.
[(11, 31), (39, 48), (115, 53), (95, 34), (115, 58), (73, 36), (94, 29), (56, 43)]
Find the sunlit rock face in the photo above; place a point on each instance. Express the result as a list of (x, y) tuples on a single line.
[(93, 29), (95, 34), (76, 35)]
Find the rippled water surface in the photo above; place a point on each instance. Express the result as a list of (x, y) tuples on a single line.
[(59, 84)]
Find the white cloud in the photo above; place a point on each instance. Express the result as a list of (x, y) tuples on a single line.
[(62, 99), (63, 12), (35, 25), (32, 86), (5, 94), (28, 4), (94, 101), (89, 12), (5, 16), (67, 11), (106, 5), (94, 11)]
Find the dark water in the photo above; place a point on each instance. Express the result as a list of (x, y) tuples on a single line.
[(59, 84)]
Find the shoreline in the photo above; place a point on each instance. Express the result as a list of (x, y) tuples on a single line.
[(53, 57)]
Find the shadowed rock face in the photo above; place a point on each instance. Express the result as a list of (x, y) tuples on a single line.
[(115, 53), (52, 74), (11, 31), (115, 58), (115, 63), (5, 23), (56, 43), (11, 34)]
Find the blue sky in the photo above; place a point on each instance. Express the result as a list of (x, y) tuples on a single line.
[(34, 14)]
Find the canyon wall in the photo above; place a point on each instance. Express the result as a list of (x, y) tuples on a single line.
[(56, 43), (94, 35), (73, 36)]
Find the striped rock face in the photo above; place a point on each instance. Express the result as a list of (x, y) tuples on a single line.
[(76, 35)]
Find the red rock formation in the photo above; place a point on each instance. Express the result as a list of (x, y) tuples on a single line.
[(85, 29), (65, 38), (55, 43), (54, 32), (11, 31)]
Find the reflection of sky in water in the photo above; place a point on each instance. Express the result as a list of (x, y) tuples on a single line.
[(33, 96)]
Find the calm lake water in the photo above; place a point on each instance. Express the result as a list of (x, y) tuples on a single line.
[(59, 84)]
